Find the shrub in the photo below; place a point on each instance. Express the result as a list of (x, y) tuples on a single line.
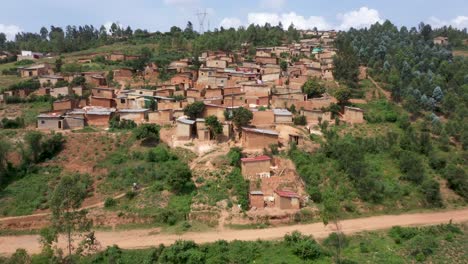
[(109, 202), (308, 249), (300, 120), (234, 156), (130, 195)]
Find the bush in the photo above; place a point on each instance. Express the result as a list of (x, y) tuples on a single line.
[(300, 120), (234, 156), (308, 249), (130, 195), (12, 123), (431, 190), (457, 179), (109, 202)]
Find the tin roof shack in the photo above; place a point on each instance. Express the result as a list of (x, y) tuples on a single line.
[(254, 168), (50, 121), (50, 80), (185, 129), (254, 138), (286, 200), (283, 116), (161, 117), (73, 122), (136, 115), (35, 70), (103, 97), (203, 133), (65, 104), (99, 116), (256, 200), (353, 115)]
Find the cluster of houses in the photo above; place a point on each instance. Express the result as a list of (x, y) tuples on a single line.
[(223, 82)]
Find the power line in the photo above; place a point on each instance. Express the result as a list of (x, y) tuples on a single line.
[(201, 15)]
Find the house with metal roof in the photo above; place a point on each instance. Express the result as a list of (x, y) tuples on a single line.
[(255, 138)]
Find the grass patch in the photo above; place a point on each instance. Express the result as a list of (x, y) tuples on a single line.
[(29, 193)]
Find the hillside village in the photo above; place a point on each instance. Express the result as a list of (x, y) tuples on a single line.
[(269, 86), (320, 128)]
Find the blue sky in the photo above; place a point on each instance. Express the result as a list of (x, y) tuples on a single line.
[(160, 15)]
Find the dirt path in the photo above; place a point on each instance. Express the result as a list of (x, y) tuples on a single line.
[(387, 94), (133, 239)]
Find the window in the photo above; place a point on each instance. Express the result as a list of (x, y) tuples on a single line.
[(42, 122), (122, 101)]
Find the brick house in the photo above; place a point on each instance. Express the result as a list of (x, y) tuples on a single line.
[(103, 97), (99, 116), (60, 91), (286, 200), (353, 115), (254, 138), (282, 116), (252, 167), (263, 118), (35, 70), (161, 117), (266, 60), (256, 199), (185, 129), (50, 121), (49, 80), (66, 104), (136, 115)]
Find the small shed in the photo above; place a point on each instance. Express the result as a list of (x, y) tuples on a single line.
[(286, 200), (255, 167), (282, 116), (136, 115), (185, 128), (256, 199), (50, 121)]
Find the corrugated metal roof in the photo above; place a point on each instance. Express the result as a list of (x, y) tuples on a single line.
[(287, 194), (186, 121), (259, 158), (282, 112), (256, 193), (262, 131), (142, 110)]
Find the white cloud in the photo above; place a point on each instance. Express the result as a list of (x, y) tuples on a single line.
[(180, 2), (10, 30), (272, 4), (287, 19), (361, 18), (230, 22), (458, 22)]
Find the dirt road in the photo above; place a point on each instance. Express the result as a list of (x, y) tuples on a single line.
[(132, 239)]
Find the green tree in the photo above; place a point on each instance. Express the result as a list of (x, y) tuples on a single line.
[(214, 125), (194, 110), (58, 64), (34, 147), (331, 212), (313, 88), (343, 95), (65, 203), (241, 117), (177, 175), (147, 132), (284, 65)]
